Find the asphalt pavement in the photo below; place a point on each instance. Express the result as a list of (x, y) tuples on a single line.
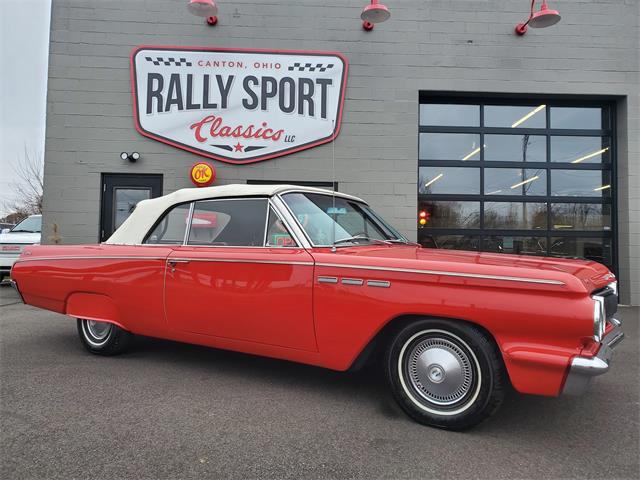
[(168, 411)]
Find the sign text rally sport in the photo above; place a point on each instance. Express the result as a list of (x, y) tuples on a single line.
[(238, 106)]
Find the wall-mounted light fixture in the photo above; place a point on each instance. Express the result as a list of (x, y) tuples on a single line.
[(204, 8), (133, 157), (545, 17), (374, 13)]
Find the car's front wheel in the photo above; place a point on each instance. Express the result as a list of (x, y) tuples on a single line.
[(103, 338), (445, 374)]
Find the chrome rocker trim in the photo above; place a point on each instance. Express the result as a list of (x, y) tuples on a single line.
[(583, 369)]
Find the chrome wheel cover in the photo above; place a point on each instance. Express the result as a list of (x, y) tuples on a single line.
[(439, 372), (96, 333)]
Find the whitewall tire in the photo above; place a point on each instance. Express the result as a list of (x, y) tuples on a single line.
[(445, 374), (102, 338)]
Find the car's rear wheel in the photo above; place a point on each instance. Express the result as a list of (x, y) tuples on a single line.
[(103, 338), (445, 374)]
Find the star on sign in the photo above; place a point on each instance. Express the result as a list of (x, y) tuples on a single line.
[(238, 147)]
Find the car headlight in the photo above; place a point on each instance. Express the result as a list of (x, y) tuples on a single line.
[(614, 286), (599, 318)]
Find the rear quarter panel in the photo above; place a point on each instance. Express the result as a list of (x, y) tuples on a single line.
[(119, 284)]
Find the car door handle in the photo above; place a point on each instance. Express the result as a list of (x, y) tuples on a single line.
[(172, 262)]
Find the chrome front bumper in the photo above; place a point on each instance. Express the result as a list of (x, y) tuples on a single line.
[(583, 369)]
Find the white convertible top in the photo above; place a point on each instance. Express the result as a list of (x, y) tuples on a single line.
[(147, 212)]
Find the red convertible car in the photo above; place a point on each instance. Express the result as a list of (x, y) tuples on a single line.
[(318, 277)]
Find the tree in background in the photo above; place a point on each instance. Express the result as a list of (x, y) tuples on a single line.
[(27, 189)]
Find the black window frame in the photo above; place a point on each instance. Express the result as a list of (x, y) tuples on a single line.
[(550, 101)]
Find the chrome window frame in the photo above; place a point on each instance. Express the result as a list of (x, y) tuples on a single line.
[(270, 205), (282, 210), (159, 220), (286, 226), (294, 219)]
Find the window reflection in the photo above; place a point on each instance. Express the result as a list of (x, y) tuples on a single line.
[(533, 116), (451, 242), (449, 146), (436, 180), (452, 115), (596, 249), (580, 118), (515, 245), (549, 224), (580, 149), (515, 148), (515, 215), (580, 183), (442, 214), (515, 181), (125, 201), (233, 222), (580, 216)]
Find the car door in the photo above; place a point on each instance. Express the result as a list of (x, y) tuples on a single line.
[(240, 275)]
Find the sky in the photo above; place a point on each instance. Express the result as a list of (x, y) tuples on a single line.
[(24, 47)]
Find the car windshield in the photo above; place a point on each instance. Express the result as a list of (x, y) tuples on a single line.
[(31, 224), (329, 220)]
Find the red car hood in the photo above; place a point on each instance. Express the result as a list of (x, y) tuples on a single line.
[(590, 275)]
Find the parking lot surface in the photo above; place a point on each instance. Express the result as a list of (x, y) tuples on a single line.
[(167, 410)]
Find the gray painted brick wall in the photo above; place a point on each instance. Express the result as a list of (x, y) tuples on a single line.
[(446, 45)]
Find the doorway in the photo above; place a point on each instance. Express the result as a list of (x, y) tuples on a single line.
[(120, 194)]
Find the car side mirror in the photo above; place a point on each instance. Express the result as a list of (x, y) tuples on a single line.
[(5, 230)]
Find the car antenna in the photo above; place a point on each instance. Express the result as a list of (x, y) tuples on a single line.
[(333, 185)]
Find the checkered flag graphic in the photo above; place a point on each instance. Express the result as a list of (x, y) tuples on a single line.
[(310, 67), (169, 61)]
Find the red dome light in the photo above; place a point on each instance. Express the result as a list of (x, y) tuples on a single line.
[(374, 13), (203, 8), (545, 17)]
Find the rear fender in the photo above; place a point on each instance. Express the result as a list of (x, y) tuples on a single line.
[(93, 306)]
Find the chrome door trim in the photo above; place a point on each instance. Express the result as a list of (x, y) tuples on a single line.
[(96, 257), (327, 279), (234, 260), (379, 283), (352, 281), (447, 274)]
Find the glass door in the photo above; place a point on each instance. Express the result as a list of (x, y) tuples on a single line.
[(120, 195)]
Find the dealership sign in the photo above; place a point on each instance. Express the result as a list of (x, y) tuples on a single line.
[(238, 106)]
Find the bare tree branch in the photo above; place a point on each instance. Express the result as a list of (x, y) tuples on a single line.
[(27, 189)]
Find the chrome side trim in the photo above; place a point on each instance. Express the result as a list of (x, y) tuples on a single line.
[(583, 369), (233, 260), (379, 283), (353, 281), (447, 274), (327, 279), (97, 257)]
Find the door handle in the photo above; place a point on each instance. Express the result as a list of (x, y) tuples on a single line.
[(172, 262)]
